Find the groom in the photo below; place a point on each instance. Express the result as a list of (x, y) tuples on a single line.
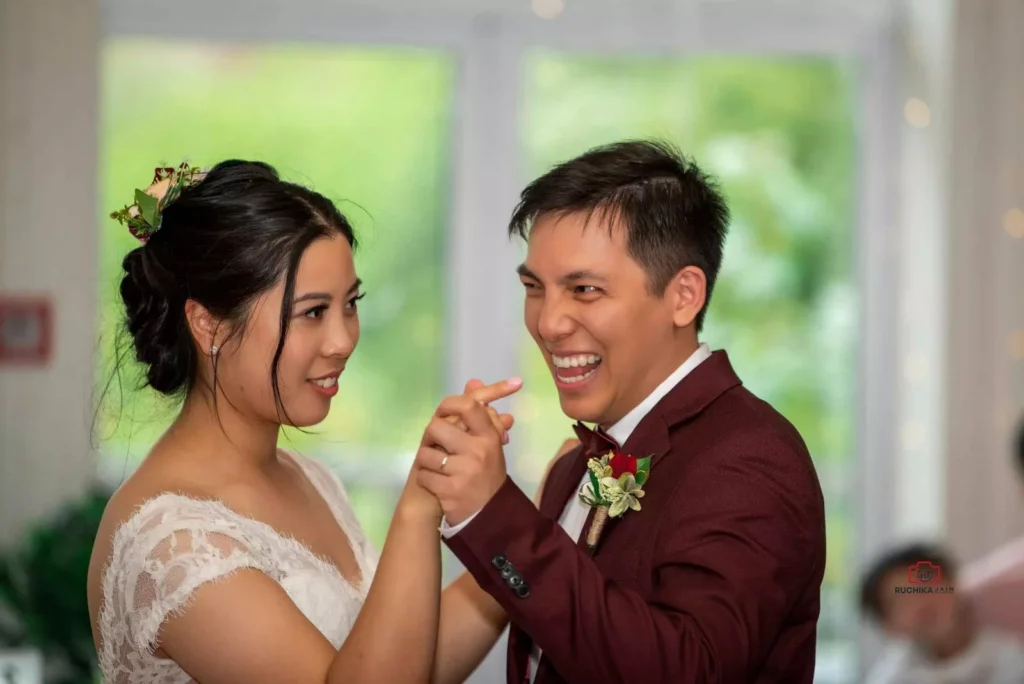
[(716, 579)]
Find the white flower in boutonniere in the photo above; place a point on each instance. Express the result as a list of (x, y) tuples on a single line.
[(615, 486)]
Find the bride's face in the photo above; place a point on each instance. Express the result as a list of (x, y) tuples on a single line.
[(323, 330)]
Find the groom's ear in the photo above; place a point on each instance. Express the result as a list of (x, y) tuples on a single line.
[(686, 293)]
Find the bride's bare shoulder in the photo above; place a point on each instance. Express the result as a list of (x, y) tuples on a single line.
[(153, 478), (149, 481), (160, 474)]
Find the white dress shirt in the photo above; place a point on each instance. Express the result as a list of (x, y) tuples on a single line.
[(574, 515)]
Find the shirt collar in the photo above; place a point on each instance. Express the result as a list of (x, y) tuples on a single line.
[(622, 429)]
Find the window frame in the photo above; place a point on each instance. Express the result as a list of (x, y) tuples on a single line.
[(487, 169)]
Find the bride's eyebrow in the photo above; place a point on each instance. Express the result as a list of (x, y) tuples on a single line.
[(312, 295), (324, 296)]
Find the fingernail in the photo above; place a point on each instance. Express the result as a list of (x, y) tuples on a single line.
[(504, 437), (514, 382)]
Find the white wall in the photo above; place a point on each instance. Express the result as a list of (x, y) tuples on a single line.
[(985, 291), (924, 38), (48, 245)]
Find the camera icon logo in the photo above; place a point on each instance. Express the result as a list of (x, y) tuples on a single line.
[(924, 573)]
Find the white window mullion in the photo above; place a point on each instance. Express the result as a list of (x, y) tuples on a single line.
[(483, 316), (879, 272)]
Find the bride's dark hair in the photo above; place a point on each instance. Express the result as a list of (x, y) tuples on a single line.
[(222, 243)]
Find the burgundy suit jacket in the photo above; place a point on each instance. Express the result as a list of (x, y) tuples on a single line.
[(716, 580)]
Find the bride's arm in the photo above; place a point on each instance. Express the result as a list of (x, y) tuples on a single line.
[(405, 610), (394, 638), (245, 628), (472, 621)]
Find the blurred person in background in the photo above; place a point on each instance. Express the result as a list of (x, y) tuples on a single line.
[(911, 593), (995, 582)]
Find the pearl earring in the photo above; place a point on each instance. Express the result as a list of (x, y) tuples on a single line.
[(214, 349)]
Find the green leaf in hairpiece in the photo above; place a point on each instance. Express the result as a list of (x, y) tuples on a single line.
[(149, 208)]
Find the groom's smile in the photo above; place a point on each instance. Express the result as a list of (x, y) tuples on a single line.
[(607, 339), (574, 369)]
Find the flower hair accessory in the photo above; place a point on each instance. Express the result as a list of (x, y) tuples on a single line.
[(143, 217), (614, 488)]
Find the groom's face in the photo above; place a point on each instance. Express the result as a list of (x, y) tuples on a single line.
[(607, 340)]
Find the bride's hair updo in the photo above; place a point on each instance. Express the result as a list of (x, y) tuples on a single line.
[(221, 242)]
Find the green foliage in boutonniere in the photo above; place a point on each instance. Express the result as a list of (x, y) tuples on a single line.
[(615, 486)]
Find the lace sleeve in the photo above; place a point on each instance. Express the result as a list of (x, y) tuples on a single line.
[(172, 546)]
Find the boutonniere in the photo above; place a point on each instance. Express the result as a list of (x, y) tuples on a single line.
[(615, 486)]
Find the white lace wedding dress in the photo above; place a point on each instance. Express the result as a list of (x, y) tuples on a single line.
[(174, 543)]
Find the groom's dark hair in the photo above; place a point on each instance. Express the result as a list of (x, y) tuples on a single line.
[(673, 213)]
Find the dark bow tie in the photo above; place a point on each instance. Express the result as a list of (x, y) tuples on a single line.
[(596, 443)]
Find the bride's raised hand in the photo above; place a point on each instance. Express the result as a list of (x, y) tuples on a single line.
[(503, 422), (417, 501)]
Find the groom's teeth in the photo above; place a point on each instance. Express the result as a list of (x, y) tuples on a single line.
[(326, 382), (575, 361), (576, 378)]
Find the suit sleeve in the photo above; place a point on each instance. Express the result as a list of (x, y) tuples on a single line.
[(734, 553)]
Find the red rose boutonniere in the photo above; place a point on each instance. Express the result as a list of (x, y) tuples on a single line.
[(615, 486)]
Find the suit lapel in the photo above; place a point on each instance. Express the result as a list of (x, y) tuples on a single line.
[(693, 394), (562, 482), (652, 436)]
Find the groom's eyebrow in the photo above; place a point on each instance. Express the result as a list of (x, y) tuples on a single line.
[(576, 276), (524, 272), (567, 279)]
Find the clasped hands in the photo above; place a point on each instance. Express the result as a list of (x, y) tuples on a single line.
[(460, 460)]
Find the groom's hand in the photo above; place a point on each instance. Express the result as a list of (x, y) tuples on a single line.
[(503, 422), (464, 468)]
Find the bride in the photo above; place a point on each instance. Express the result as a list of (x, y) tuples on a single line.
[(224, 558)]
